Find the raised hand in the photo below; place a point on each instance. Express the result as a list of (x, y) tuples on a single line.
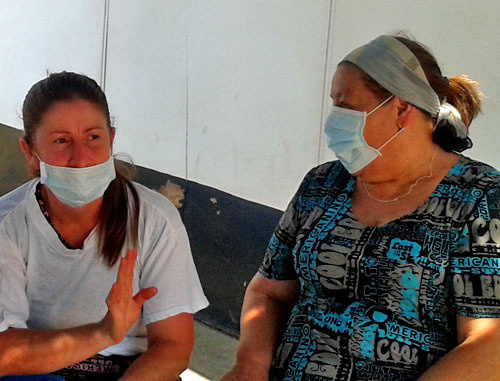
[(123, 307)]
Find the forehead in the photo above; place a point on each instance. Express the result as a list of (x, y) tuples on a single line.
[(73, 114), (348, 82)]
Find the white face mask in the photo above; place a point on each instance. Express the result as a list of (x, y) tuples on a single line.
[(344, 131), (77, 187)]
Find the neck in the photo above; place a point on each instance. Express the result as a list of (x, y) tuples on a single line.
[(393, 189), (60, 213)]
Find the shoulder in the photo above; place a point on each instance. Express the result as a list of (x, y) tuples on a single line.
[(329, 175), (330, 168), (15, 200), (155, 206), (473, 188), (475, 174), (14, 214), (321, 185)]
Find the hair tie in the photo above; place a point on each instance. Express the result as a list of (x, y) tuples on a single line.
[(450, 132), (446, 80)]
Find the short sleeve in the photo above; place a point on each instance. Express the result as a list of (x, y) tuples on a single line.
[(14, 308), (278, 262), (167, 264), (475, 263)]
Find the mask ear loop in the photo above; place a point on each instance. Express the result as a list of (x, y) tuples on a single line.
[(380, 105), (41, 165), (391, 138), (38, 157)]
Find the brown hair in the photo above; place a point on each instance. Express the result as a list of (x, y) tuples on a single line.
[(117, 209), (460, 91)]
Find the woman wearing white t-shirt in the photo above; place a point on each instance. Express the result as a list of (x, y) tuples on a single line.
[(79, 230)]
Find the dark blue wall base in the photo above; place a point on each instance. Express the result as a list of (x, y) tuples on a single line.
[(228, 238)]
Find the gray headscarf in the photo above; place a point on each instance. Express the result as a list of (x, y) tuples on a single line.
[(393, 66)]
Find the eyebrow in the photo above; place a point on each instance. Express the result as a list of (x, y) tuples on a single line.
[(86, 130), (95, 128)]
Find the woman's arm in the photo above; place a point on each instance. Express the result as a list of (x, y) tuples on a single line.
[(25, 351), (266, 304), (476, 357), (170, 343)]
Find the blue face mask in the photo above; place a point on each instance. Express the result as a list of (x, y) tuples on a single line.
[(344, 131), (77, 187)]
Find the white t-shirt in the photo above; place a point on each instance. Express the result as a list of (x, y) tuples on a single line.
[(44, 285)]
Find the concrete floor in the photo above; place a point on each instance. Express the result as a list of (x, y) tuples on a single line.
[(213, 354)]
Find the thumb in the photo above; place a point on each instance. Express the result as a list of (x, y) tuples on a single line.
[(145, 294)]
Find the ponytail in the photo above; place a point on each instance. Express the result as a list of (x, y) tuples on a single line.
[(466, 96), (119, 222), (461, 92)]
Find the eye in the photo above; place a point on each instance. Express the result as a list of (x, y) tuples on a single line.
[(60, 141), (342, 104), (340, 100), (94, 137)]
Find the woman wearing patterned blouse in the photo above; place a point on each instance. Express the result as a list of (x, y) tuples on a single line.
[(385, 265)]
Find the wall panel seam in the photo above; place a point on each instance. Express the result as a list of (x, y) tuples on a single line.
[(326, 78), (104, 52), (186, 155)]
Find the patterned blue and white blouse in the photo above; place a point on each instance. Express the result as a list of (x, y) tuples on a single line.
[(380, 303)]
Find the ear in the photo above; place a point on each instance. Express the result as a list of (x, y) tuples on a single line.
[(112, 134), (32, 160), (405, 113)]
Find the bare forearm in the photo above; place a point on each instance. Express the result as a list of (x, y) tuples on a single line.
[(24, 351), (265, 308), (261, 324), (162, 361), (469, 361), (264, 314)]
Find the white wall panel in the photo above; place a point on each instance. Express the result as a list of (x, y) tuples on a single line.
[(146, 81), (233, 94), (462, 35), (45, 35), (256, 75)]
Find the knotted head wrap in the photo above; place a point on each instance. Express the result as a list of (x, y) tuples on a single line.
[(450, 131), (394, 67)]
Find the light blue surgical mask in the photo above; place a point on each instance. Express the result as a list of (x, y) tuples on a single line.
[(77, 187), (344, 131)]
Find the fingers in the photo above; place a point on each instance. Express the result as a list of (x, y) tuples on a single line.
[(125, 277), (131, 254), (111, 294), (123, 285), (145, 294), (126, 269)]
